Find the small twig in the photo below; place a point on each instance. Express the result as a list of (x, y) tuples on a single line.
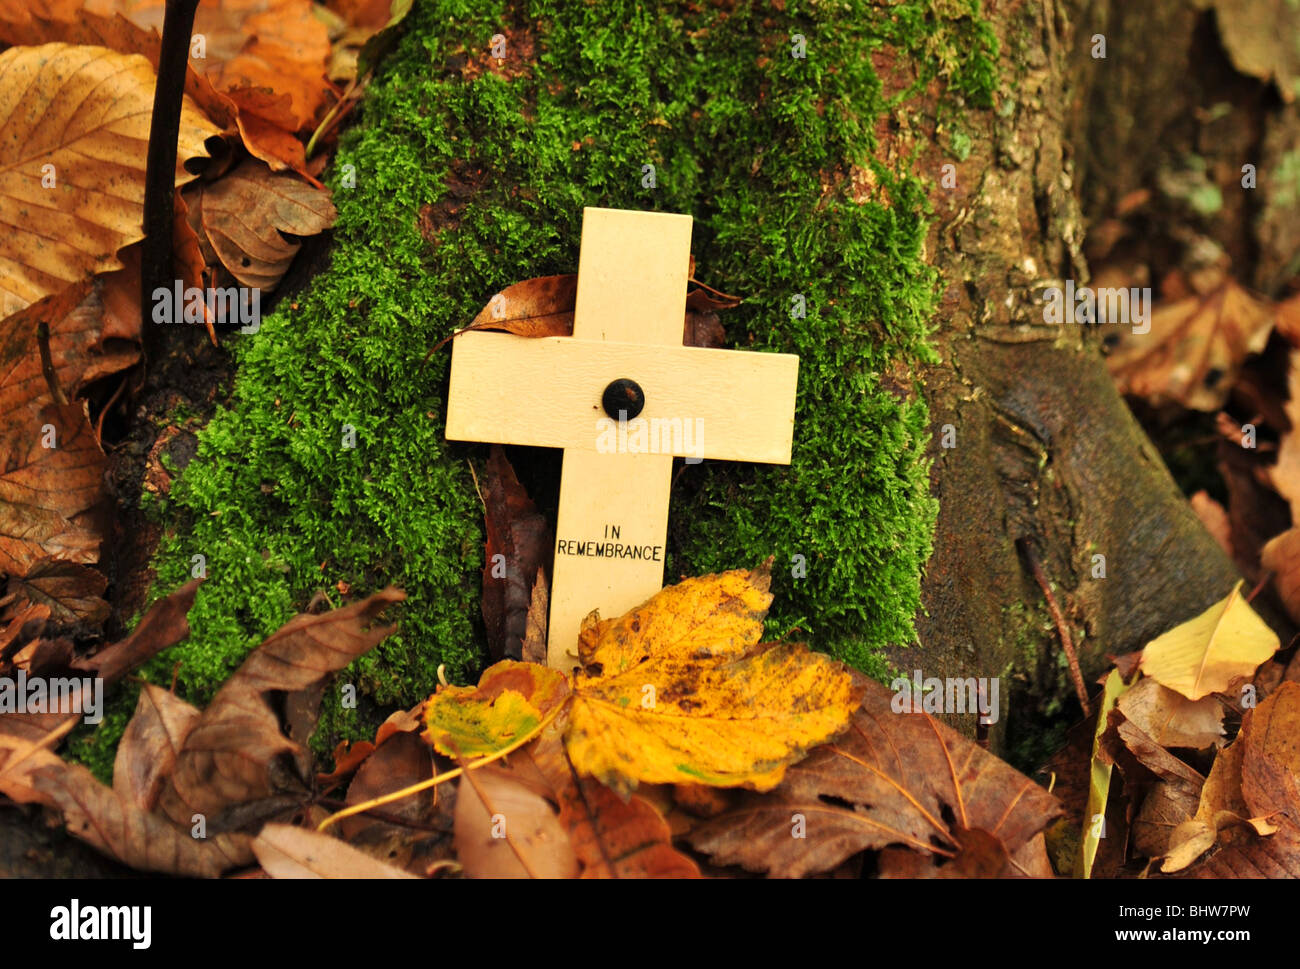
[(99, 424), (1062, 630), (47, 363), (1264, 580)]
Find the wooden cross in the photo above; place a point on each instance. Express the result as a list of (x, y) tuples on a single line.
[(625, 355)]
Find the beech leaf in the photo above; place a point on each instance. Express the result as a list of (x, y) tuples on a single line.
[(1205, 654)]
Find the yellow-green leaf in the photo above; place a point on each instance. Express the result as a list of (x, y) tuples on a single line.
[(509, 702), (1099, 777), (1204, 655)]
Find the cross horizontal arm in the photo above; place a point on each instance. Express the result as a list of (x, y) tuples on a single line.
[(719, 404)]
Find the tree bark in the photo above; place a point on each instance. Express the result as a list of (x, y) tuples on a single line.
[(1045, 448)]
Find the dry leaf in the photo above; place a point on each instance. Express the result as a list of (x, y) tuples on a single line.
[(1219, 806), (534, 644), (244, 215), (72, 592), (228, 757), (100, 817), (52, 474), (891, 779), (506, 828), (518, 550), (1194, 348), (1281, 556), (544, 306), (612, 837), (289, 852), (1172, 720), (981, 855), (149, 745), (509, 702), (1204, 655), (79, 116), (1270, 764), (1166, 806)]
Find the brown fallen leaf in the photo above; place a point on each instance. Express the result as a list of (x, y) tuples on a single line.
[(611, 837), (506, 828), (99, 816), (518, 549), (79, 116), (1281, 556), (1270, 763), (149, 745), (251, 46), (228, 758), (1194, 348), (1172, 720), (72, 592), (1219, 807), (165, 624), (1166, 806), (544, 306), (1275, 856), (891, 779), (51, 477), (289, 852), (981, 855), (242, 220), (534, 645), (79, 323)]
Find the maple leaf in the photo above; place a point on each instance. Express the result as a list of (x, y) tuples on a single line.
[(147, 751), (890, 779), (679, 690), (228, 756), (79, 115), (1205, 654)]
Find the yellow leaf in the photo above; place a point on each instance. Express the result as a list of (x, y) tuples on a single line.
[(74, 133), (1204, 655), (740, 722), (678, 690), (1098, 777), (710, 616), (510, 700)]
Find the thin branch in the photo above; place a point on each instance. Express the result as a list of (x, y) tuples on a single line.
[(47, 363), (1062, 630), (160, 171)]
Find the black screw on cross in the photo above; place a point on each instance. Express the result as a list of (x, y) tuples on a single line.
[(623, 397)]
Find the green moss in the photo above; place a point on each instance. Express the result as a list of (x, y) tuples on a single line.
[(743, 136)]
